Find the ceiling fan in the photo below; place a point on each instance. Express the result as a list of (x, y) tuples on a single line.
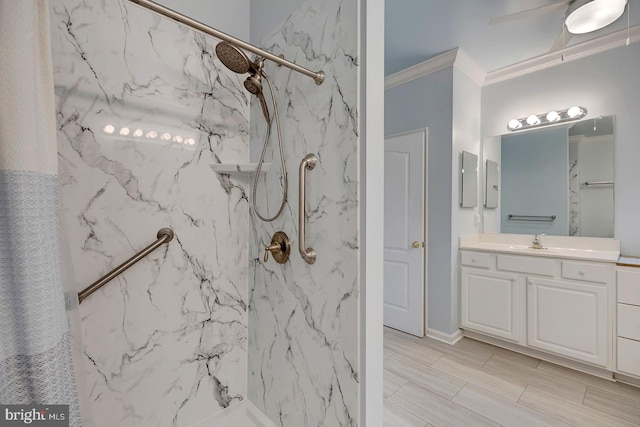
[(581, 16)]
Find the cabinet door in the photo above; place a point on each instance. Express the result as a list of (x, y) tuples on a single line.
[(568, 318), (490, 303)]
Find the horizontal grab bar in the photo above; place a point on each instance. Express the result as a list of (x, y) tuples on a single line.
[(594, 183), (547, 218), (317, 76), (165, 235)]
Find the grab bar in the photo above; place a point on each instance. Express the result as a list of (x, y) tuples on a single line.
[(594, 183), (546, 218), (165, 235), (308, 163)]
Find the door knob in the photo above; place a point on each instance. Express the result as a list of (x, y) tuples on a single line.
[(416, 244)]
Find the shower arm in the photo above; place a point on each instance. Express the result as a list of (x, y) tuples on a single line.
[(318, 76)]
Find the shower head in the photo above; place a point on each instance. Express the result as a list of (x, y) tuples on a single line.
[(254, 83), (237, 61), (233, 58)]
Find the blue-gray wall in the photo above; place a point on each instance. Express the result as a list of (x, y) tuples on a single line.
[(420, 103), (535, 181)]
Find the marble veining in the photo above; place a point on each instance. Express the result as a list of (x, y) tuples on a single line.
[(143, 107), (303, 319), (574, 199)]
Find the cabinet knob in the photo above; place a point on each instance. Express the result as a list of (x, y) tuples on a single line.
[(581, 272), (473, 260)]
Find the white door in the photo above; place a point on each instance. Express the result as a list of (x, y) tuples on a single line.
[(404, 232)]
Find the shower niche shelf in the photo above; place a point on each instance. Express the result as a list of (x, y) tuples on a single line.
[(229, 168)]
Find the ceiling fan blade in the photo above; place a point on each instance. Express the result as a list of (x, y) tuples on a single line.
[(530, 12), (561, 41)]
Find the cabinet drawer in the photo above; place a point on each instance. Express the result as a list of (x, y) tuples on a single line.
[(629, 286), (629, 321), (589, 272), (531, 265), (475, 259), (629, 356)]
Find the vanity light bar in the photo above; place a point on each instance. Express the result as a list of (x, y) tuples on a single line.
[(550, 118)]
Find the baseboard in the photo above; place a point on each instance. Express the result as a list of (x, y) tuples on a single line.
[(542, 355), (627, 379), (446, 338)]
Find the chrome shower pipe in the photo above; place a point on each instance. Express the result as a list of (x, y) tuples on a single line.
[(318, 76)]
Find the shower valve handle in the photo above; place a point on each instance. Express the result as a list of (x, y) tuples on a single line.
[(271, 248), (280, 248)]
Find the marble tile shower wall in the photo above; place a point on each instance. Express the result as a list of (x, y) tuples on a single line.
[(304, 319), (143, 108)]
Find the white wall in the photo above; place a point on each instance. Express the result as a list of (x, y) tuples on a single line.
[(427, 102), (231, 17), (269, 15), (304, 340), (605, 84), (371, 219), (165, 343), (465, 137)]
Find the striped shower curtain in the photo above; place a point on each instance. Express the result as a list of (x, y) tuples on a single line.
[(36, 366)]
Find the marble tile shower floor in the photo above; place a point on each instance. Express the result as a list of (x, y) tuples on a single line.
[(429, 383)]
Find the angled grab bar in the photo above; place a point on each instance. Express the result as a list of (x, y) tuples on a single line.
[(308, 163), (165, 235)]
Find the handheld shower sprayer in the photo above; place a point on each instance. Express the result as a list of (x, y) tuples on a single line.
[(237, 61)]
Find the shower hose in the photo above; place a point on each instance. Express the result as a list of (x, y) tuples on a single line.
[(264, 150)]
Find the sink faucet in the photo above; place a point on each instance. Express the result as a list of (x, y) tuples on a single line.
[(537, 244)]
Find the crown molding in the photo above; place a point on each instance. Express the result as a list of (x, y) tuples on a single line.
[(430, 66), (571, 53), (453, 58), (458, 58)]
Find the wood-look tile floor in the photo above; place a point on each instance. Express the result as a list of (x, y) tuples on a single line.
[(430, 383)]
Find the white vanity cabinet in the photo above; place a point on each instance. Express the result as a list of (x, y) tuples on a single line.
[(491, 302), (555, 305), (568, 318), (628, 321)]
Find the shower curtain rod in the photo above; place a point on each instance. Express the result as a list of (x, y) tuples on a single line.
[(318, 76)]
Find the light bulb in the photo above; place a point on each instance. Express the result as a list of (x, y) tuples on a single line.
[(514, 124), (152, 134), (574, 111), (533, 120), (166, 136), (124, 131), (177, 138), (108, 129), (552, 116), (138, 132)]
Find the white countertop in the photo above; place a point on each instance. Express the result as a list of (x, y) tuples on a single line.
[(584, 248)]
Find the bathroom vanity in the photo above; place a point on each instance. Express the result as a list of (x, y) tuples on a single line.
[(558, 303)]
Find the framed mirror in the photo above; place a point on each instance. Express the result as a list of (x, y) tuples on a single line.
[(469, 180), (557, 180)]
